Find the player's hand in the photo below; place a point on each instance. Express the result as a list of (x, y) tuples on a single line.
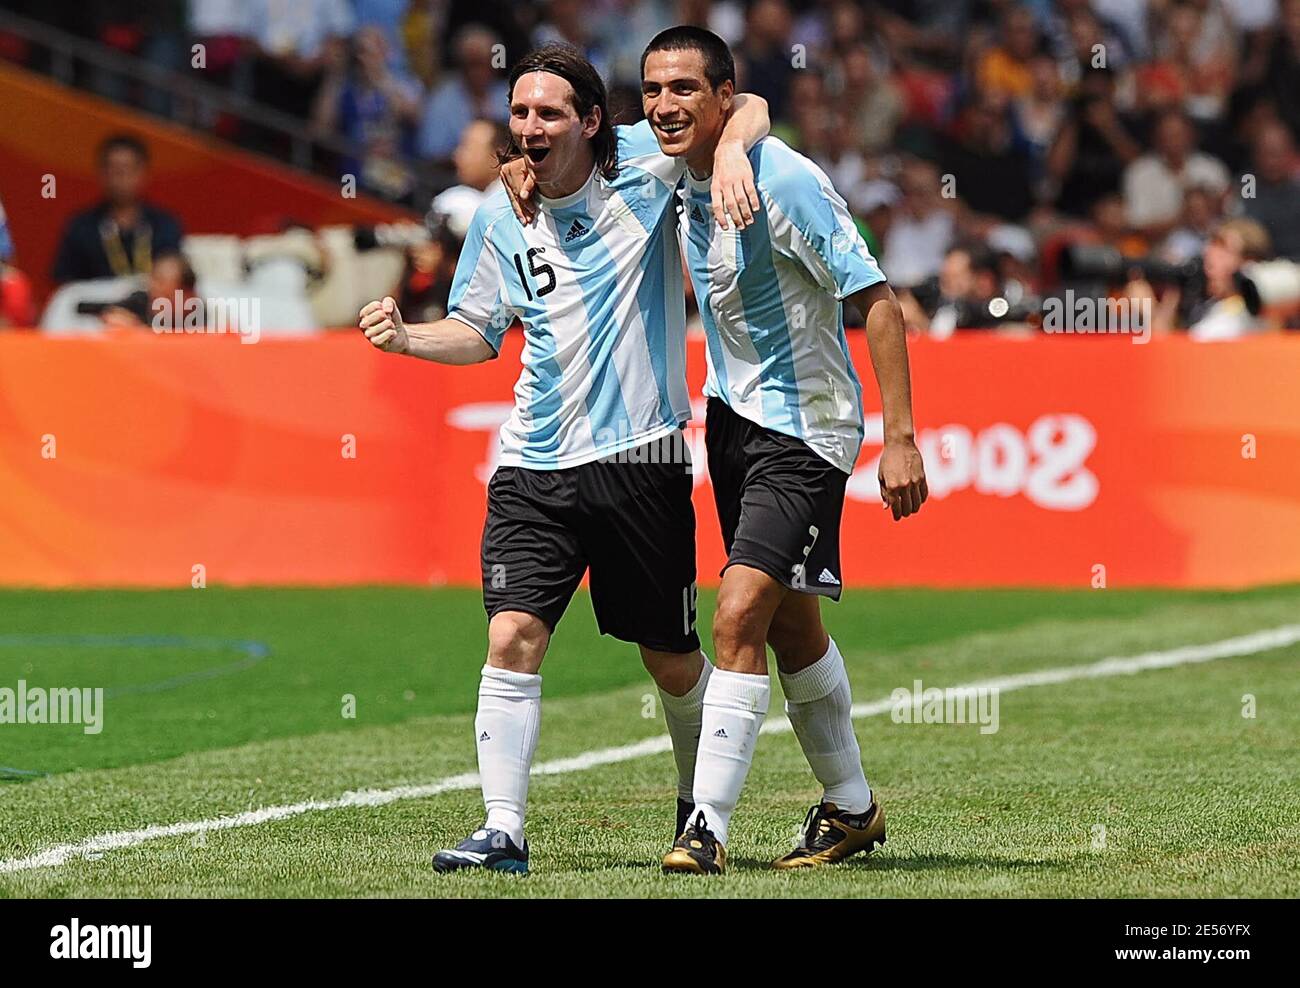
[(902, 478), (383, 326), (518, 178), (733, 190)]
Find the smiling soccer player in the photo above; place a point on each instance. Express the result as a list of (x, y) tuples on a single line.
[(783, 431)]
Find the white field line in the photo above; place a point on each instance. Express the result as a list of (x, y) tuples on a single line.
[(53, 857)]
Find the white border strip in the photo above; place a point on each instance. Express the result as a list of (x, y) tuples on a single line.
[(1252, 644)]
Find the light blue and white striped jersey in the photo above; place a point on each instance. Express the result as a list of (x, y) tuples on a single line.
[(597, 282), (769, 297)]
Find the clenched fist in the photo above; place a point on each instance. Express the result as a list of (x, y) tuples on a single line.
[(383, 326)]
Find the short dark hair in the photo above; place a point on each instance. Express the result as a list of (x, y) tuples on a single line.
[(719, 65), (572, 66), (123, 142)]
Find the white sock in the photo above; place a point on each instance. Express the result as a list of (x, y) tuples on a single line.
[(735, 704), (819, 703), (507, 725), (684, 715)]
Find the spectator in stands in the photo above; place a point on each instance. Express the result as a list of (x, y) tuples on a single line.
[(801, 126), (474, 90), (992, 172), (871, 98), (835, 147), (122, 234), (1222, 314), (222, 27), (475, 159), (295, 42), (1087, 159), (1196, 70), (1110, 227), (17, 306), (1038, 114), (921, 228), (569, 22), (388, 17), (1201, 214), (1282, 71), (1276, 199), (375, 107), (422, 31), (1006, 68), (764, 58), (1154, 184), (1077, 34)]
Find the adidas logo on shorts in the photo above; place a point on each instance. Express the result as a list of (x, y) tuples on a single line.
[(485, 736), (721, 732), (828, 577)]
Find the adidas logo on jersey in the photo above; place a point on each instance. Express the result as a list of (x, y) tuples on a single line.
[(575, 231), (721, 732), (828, 577), (697, 214)]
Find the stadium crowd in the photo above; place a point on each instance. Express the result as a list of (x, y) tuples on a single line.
[(993, 153)]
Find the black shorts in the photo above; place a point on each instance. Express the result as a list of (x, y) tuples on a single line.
[(779, 503), (629, 520)]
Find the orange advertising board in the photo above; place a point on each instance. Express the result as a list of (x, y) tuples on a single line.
[(131, 461)]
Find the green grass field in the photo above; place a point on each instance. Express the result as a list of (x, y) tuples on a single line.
[(225, 701)]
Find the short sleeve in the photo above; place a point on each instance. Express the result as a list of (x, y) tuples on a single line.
[(639, 148), (811, 224), (476, 289)]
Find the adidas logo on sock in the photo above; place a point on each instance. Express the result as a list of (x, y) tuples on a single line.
[(721, 732), (575, 231), (485, 736), (828, 577)]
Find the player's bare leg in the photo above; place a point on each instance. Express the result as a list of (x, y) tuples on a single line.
[(506, 728), (819, 703), (682, 680)]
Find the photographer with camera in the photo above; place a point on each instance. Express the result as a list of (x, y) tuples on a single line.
[(1224, 313)]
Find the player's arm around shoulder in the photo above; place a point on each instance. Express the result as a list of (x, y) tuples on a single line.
[(733, 190), (447, 341)]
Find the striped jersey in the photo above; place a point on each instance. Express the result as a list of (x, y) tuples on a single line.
[(597, 282), (769, 298)]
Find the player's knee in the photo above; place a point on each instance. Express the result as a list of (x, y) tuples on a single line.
[(517, 641), (739, 625), (673, 673)]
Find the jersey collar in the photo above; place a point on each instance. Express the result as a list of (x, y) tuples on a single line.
[(571, 198)]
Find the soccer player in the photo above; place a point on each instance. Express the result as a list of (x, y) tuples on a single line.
[(593, 473), (783, 431)]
